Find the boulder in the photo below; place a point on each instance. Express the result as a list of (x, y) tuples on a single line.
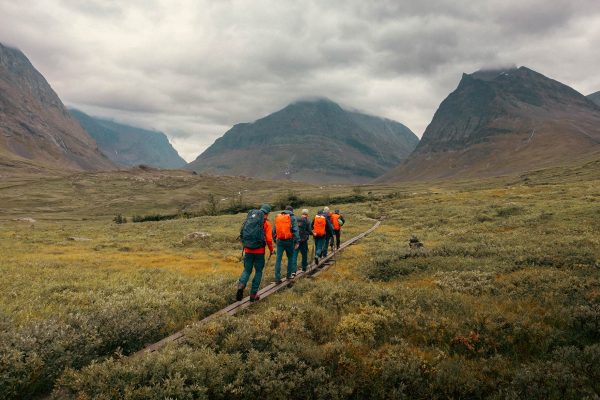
[(25, 219)]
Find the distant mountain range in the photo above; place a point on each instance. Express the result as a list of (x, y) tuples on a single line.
[(595, 97), (495, 122), (313, 141), (502, 122), (36, 130), (127, 145)]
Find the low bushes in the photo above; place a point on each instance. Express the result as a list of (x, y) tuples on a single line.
[(383, 343)]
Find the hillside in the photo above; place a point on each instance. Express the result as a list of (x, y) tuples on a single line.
[(501, 122), (313, 141), (595, 97), (129, 145), (36, 130)]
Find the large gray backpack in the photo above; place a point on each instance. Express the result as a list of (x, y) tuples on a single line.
[(252, 233)]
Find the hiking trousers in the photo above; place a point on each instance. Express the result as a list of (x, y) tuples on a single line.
[(337, 238), (320, 246), (302, 249), (288, 247), (325, 247), (258, 262)]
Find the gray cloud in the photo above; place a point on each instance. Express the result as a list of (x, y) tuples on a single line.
[(194, 69)]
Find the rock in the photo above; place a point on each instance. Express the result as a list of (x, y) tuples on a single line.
[(25, 219), (414, 242), (78, 239), (195, 236)]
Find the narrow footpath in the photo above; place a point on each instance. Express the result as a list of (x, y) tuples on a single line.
[(312, 270)]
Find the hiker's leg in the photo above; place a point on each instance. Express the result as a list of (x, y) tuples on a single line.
[(248, 260), (337, 238), (325, 245), (259, 265), (291, 259), (278, 260), (319, 241), (296, 251), (303, 248)]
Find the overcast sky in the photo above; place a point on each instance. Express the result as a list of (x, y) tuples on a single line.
[(194, 68)]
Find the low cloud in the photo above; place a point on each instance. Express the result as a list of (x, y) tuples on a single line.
[(194, 69)]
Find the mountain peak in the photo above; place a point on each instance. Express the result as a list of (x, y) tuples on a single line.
[(502, 121), (36, 128), (312, 140), (490, 74)]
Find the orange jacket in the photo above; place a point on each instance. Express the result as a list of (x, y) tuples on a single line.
[(268, 238)]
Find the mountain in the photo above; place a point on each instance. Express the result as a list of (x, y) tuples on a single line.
[(128, 145), (36, 130), (311, 141), (595, 97), (502, 122)]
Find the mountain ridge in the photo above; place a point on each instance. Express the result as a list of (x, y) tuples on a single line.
[(310, 140), (514, 121), (595, 97), (36, 130), (129, 145)]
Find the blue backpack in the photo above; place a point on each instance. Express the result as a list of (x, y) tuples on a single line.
[(252, 233)]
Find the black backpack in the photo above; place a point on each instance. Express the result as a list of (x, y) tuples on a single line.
[(252, 232)]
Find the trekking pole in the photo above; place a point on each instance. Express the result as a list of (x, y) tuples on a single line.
[(265, 269)]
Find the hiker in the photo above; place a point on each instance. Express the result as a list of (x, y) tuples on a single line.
[(255, 235), (320, 227), (329, 232), (305, 232), (337, 220), (288, 239)]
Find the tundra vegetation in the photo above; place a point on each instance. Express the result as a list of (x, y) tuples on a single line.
[(503, 300)]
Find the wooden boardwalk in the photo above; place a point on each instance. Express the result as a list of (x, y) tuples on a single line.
[(312, 270)]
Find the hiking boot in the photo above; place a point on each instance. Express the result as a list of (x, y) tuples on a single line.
[(316, 260), (239, 295), (293, 275), (254, 297), (278, 281)]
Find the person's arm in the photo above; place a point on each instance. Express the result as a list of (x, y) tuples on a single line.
[(268, 235)]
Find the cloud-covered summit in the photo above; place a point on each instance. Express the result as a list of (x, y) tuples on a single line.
[(196, 68)]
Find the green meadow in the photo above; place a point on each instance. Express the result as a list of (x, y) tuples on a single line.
[(502, 301)]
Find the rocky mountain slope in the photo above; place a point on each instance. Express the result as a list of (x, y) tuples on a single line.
[(36, 130), (128, 145), (311, 141), (501, 122), (595, 97)]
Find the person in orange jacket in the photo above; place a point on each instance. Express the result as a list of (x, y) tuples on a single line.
[(288, 239), (255, 235), (337, 220), (321, 229)]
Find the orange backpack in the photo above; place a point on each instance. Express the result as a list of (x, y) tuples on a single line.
[(283, 226), (319, 226), (335, 221)]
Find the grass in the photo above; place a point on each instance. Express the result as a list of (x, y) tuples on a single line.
[(503, 301)]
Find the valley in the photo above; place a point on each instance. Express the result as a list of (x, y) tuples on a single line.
[(506, 287)]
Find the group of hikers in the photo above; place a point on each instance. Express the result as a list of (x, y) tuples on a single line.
[(291, 235)]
